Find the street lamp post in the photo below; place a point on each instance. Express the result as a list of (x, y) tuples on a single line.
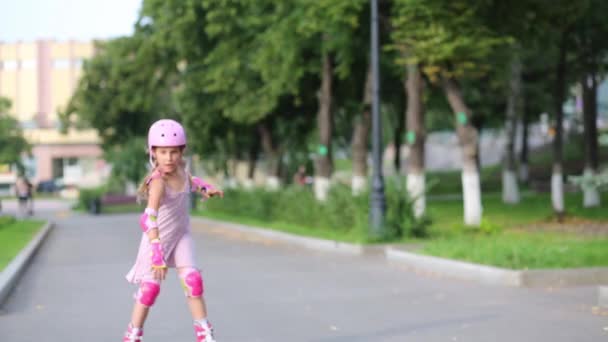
[(377, 199)]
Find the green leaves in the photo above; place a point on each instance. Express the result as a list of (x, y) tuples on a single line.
[(439, 34), (123, 88), (12, 142), (128, 160)]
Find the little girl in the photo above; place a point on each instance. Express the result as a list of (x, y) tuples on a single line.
[(167, 241)]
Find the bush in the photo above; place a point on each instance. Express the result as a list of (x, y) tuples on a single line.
[(87, 196), (342, 212), (399, 212)]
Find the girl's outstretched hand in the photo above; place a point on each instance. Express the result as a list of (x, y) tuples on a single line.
[(211, 193)]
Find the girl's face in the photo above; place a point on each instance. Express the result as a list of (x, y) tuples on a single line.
[(168, 158)]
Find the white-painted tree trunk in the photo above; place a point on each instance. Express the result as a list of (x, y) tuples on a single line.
[(248, 184), (557, 192), (131, 189), (416, 190), (591, 197), (273, 183), (510, 190), (524, 172), (510, 187), (472, 198), (358, 184), (321, 185), (231, 183)]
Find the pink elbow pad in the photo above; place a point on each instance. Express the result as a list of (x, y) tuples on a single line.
[(158, 257), (147, 220), (201, 184)]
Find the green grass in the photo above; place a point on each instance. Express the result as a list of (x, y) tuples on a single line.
[(343, 164), (448, 215), (509, 248), (519, 250), (502, 247), (450, 182), (14, 236), (572, 151), (351, 237)]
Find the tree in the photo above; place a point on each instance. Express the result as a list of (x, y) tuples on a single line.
[(129, 161), (206, 94), (12, 143), (416, 135), (328, 28), (452, 42), (510, 189), (589, 40), (123, 89), (360, 139), (561, 19), (256, 71)]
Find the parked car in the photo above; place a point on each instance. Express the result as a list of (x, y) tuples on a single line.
[(51, 185)]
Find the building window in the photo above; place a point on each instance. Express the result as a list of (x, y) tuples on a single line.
[(29, 124), (61, 63), (9, 65), (57, 168), (28, 64)]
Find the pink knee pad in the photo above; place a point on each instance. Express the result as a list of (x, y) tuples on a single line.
[(192, 282), (148, 291)]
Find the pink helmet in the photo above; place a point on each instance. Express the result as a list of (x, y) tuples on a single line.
[(166, 133)]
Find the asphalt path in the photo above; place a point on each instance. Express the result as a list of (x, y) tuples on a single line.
[(260, 290)]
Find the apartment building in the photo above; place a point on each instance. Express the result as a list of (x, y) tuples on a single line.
[(39, 79)]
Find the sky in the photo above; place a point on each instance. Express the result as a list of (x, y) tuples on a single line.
[(83, 20)]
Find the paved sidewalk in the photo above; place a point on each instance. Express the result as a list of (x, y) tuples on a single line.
[(266, 291), (45, 208)]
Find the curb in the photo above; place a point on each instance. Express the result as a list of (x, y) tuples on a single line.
[(602, 294), (456, 269), (500, 276), (302, 241), (14, 270), (483, 274)]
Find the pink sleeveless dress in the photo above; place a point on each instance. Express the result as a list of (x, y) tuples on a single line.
[(174, 232)]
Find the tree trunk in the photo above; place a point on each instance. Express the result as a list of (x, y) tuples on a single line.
[(273, 157), (254, 150), (398, 141), (467, 135), (589, 84), (557, 182), (524, 173), (510, 189), (414, 86), (361, 139), (323, 165)]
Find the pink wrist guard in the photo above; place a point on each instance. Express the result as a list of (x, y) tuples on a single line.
[(147, 220), (158, 259), (201, 184)]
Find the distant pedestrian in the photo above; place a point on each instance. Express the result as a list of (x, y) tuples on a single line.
[(30, 196), (299, 178), (167, 240), (23, 189)]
